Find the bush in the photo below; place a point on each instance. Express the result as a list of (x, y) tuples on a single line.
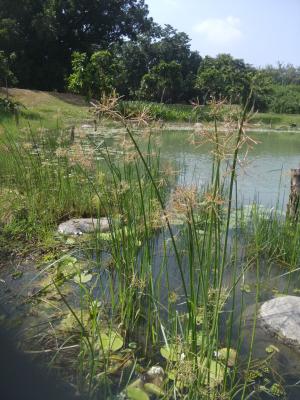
[(285, 99)]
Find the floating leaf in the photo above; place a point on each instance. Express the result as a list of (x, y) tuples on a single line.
[(213, 372), (272, 349), (246, 288), (68, 260), (172, 352), (154, 389), (111, 342), (173, 375), (229, 356), (134, 393), (83, 277)]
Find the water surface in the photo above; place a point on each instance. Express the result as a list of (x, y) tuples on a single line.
[(264, 178)]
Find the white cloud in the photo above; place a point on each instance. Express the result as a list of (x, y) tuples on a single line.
[(220, 31)]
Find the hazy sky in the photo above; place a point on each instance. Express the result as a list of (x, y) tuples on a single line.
[(259, 31)]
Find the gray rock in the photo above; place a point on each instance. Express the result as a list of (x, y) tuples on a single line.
[(78, 226), (281, 317), (198, 126)]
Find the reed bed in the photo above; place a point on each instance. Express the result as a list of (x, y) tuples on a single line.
[(158, 299)]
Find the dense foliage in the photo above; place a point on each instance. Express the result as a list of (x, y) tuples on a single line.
[(92, 47), (285, 99), (45, 33)]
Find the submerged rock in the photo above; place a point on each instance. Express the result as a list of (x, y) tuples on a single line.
[(281, 317), (78, 226)]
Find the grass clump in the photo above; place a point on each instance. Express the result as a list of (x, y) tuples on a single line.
[(152, 292)]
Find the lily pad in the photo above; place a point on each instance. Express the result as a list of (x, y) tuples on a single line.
[(213, 373), (246, 288), (154, 389), (272, 349), (172, 352), (83, 277), (134, 393), (111, 342), (67, 261), (229, 356), (174, 376)]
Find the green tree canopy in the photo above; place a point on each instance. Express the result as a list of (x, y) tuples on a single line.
[(7, 77), (224, 77), (100, 74), (163, 82), (149, 50), (45, 33)]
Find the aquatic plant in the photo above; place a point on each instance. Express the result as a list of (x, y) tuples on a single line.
[(151, 291)]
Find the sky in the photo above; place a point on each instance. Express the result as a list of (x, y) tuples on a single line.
[(259, 31)]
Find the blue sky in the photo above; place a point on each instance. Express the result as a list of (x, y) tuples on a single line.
[(259, 31)]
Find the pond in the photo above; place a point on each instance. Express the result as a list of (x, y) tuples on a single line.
[(265, 176), (263, 179)]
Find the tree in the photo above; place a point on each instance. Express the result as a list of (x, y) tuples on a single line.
[(284, 74), (224, 77), (227, 78), (163, 82), (45, 33), (100, 74), (149, 50), (7, 77), (262, 90)]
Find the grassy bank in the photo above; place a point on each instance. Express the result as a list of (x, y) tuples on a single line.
[(46, 108)]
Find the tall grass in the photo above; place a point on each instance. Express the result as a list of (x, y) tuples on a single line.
[(200, 258), (161, 298)]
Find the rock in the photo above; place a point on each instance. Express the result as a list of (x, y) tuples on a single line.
[(78, 226), (154, 375), (198, 126), (281, 317)]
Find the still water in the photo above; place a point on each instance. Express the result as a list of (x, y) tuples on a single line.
[(265, 179), (265, 176)]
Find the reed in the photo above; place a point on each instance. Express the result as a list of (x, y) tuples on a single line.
[(159, 297)]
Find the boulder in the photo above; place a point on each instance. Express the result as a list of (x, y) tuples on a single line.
[(78, 226), (281, 317)]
